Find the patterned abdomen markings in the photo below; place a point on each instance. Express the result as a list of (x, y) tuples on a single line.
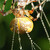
[(24, 24)]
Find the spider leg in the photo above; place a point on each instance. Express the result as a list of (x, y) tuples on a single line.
[(38, 5), (40, 9), (27, 2), (31, 11), (4, 5), (35, 19), (1, 11), (11, 9), (12, 5), (8, 12), (27, 12)]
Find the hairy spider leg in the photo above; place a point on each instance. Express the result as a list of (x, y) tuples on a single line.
[(35, 19), (13, 38), (2, 11), (34, 8), (12, 5), (8, 12), (4, 5), (3, 8)]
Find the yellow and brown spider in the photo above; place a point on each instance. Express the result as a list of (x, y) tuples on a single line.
[(24, 23)]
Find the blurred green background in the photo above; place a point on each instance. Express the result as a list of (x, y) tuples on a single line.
[(38, 34)]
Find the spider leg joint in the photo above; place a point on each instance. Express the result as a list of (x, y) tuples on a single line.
[(38, 15)]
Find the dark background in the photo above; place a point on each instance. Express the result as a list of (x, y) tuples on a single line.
[(38, 34)]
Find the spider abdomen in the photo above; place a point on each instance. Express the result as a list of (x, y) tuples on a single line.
[(24, 25)]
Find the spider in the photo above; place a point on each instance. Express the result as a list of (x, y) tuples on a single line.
[(23, 21), (22, 17)]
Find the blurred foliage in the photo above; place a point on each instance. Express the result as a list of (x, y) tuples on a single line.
[(38, 34)]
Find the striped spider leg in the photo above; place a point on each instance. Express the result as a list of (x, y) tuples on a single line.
[(28, 12), (8, 12), (3, 8)]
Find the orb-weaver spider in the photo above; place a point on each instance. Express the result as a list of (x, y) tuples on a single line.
[(20, 13), (21, 23)]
